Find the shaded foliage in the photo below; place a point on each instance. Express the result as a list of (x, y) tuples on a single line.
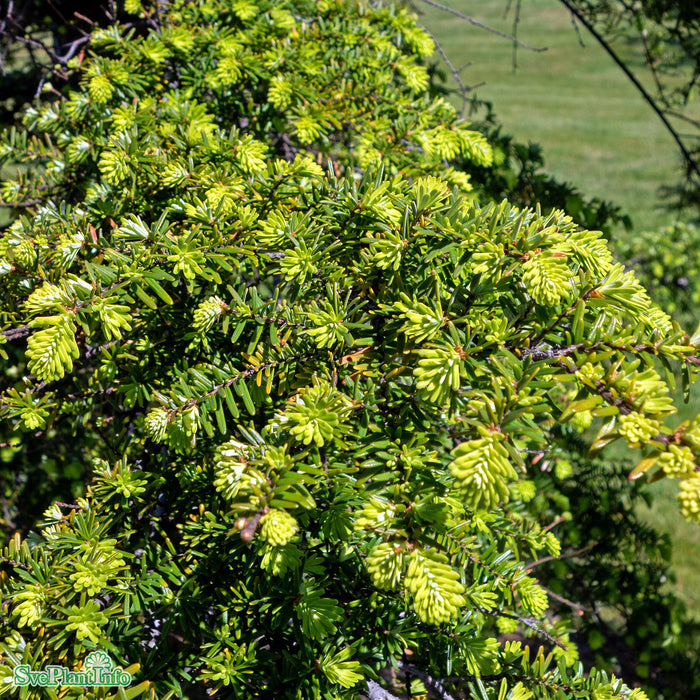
[(669, 263), (628, 620)]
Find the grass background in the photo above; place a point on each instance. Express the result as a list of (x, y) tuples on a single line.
[(597, 133), (596, 130)]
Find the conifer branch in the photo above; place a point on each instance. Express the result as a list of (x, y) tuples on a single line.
[(432, 683), (376, 692), (17, 333), (361, 513), (529, 622)]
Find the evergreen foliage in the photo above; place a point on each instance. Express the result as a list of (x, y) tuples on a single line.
[(613, 574), (668, 263), (38, 39), (310, 371)]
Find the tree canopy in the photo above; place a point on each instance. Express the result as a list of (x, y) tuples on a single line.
[(309, 369)]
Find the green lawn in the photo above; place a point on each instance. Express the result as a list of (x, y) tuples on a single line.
[(595, 129), (686, 562), (597, 133)]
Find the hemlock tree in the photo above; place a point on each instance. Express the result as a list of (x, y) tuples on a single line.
[(309, 372)]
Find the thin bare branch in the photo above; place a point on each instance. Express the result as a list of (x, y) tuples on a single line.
[(685, 118), (652, 67), (433, 683), (516, 22), (580, 609), (463, 89), (20, 205), (481, 25), (376, 692), (568, 555), (529, 622), (579, 36), (691, 164), (15, 333)]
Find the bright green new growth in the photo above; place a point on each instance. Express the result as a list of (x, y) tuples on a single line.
[(311, 368)]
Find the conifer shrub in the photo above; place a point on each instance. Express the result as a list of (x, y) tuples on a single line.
[(613, 580), (309, 372), (667, 261)]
